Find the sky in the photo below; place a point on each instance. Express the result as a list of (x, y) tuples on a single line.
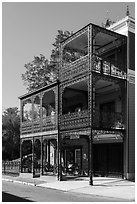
[(30, 28)]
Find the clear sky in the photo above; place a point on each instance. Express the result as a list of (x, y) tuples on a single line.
[(29, 29)]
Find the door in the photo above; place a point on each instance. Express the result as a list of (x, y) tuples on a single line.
[(108, 159)]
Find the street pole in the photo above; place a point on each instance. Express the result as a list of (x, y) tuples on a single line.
[(91, 103), (91, 160), (59, 140), (33, 158), (42, 155), (21, 143)]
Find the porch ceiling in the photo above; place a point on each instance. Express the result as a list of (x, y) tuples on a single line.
[(75, 89), (101, 41), (81, 87), (105, 86)]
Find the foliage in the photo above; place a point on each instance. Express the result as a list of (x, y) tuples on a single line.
[(38, 73), (41, 71), (10, 134), (54, 59)]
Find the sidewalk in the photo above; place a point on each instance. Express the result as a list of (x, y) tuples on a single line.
[(102, 186)]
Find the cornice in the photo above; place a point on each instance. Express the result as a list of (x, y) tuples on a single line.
[(127, 22)]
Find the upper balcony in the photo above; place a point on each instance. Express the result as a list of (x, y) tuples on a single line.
[(39, 111), (93, 48)]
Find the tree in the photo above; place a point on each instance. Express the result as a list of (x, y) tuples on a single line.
[(38, 73), (10, 134), (54, 59), (42, 71)]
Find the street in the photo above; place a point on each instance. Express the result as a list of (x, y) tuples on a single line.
[(15, 192)]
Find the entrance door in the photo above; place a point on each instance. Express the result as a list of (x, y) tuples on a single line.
[(108, 159)]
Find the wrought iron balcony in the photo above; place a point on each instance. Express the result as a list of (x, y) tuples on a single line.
[(74, 120), (72, 69), (102, 120), (110, 120)]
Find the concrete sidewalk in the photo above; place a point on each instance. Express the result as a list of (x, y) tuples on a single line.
[(102, 186)]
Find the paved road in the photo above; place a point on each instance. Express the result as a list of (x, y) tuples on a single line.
[(15, 192)]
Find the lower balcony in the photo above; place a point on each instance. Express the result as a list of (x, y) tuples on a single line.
[(75, 120), (47, 124), (102, 120)]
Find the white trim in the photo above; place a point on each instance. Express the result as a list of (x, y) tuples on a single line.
[(131, 76), (37, 134), (123, 26), (132, 30)]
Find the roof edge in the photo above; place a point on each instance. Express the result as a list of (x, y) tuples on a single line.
[(38, 90)]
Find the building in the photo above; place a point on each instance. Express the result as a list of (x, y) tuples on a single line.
[(84, 123)]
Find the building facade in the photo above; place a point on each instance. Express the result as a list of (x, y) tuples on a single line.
[(84, 123)]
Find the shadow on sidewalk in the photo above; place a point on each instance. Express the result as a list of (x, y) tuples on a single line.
[(6, 197)]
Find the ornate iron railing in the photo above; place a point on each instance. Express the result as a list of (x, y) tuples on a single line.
[(74, 120), (105, 120), (26, 127), (46, 124), (104, 67), (36, 125), (98, 65), (112, 120), (74, 68), (49, 123)]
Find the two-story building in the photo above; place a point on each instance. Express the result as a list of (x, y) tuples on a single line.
[(84, 123)]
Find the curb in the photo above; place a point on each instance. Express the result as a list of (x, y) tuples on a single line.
[(21, 182), (38, 185)]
